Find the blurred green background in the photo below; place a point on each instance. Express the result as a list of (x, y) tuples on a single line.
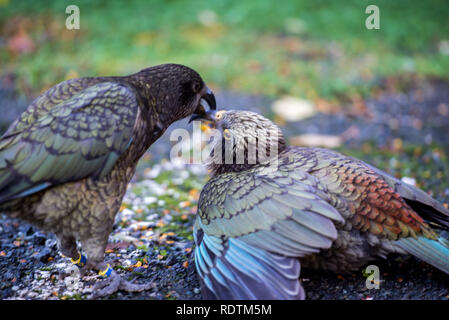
[(313, 49), (383, 95)]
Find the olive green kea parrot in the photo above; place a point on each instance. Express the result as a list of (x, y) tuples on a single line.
[(263, 215), (66, 161)]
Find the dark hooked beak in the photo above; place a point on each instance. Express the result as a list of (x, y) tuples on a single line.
[(210, 99), (200, 112), (204, 115)]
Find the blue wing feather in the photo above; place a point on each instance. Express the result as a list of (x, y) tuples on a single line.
[(233, 269)]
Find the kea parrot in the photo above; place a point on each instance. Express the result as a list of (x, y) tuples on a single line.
[(66, 161), (261, 218)]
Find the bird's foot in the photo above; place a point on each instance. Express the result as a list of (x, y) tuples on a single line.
[(114, 283), (80, 261)]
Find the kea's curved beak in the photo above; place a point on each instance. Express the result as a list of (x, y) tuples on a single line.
[(210, 99), (205, 115), (200, 112)]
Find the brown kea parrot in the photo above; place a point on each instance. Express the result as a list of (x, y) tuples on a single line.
[(66, 161), (261, 219)]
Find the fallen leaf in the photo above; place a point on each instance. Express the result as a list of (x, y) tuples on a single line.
[(194, 194), (397, 145), (138, 264)]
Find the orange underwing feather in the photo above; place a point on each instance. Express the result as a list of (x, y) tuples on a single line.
[(380, 206)]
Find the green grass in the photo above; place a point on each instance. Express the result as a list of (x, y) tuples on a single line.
[(249, 48)]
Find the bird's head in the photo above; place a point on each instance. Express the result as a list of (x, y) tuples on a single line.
[(176, 91), (241, 139)]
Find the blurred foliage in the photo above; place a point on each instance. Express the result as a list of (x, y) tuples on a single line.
[(307, 48)]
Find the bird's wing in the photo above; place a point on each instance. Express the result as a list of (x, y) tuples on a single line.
[(80, 137), (371, 203), (433, 251), (229, 268), (429, 208), (252, 227), (379, 204), (47, 100)]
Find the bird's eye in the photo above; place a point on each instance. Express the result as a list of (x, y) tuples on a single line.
[(219, 115), (227, 134), (196, 87)]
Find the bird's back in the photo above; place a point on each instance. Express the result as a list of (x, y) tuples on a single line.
[(48, 99), (372, 202), (76, 129)]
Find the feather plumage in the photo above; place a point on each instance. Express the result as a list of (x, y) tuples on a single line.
[(66, 161), (315, 206)]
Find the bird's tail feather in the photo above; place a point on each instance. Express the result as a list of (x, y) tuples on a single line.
[(434, 252)]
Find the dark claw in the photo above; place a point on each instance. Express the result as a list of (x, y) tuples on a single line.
[(114, 283)]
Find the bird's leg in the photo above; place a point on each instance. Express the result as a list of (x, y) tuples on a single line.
[(95, 252), (67, 247)]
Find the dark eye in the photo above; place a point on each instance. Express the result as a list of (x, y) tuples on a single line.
[(196, 87)]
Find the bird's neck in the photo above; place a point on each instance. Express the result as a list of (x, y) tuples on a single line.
[(152, 89), (146, 132), (151, 123), (218, 164), (217, 169), (154, 116)]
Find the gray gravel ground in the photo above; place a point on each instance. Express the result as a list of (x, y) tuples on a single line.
[(147, 243)]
